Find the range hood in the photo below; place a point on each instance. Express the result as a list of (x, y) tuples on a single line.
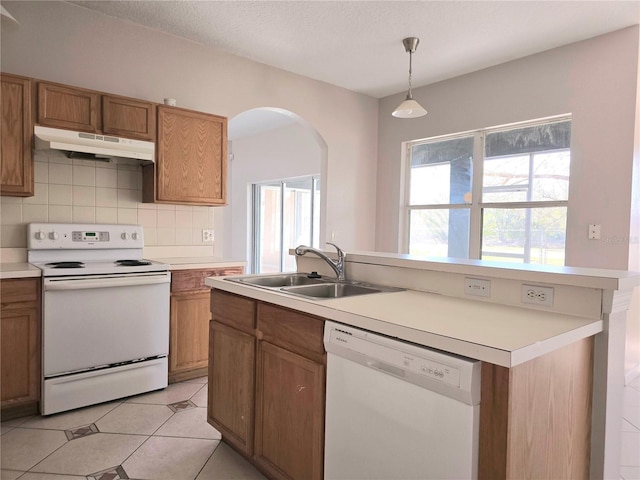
[(92, 146)]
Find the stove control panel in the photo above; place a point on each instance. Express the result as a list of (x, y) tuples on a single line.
[(85, 236), (69, 236)]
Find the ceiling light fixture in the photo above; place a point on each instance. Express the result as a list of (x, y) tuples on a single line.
[(7, 18), (410, 108)]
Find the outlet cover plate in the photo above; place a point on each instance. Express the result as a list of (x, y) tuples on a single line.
[(537, 295), (207, 236)]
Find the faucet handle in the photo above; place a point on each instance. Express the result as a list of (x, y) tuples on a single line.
[(341, 253)]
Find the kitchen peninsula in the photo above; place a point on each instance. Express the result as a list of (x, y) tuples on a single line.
[(551, 375)]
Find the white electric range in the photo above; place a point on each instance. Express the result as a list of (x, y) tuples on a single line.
[(105, 314)]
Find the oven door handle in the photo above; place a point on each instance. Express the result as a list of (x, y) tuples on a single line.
[(88, 283)]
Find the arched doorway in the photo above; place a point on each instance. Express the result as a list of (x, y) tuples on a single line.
[(278, 149)]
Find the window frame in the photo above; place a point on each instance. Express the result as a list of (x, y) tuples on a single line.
[(477, 206)]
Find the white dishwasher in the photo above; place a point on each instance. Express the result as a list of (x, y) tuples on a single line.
[(396, 410)]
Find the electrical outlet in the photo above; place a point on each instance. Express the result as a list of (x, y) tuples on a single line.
[(207, 236), (477, 287), (537, 295)]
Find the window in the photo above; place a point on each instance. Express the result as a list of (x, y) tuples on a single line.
[(496, 194), (286, 213)]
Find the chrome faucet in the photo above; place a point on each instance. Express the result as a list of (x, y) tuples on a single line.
[(336, 265)]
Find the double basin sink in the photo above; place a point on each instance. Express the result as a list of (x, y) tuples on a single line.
[(311, 286)]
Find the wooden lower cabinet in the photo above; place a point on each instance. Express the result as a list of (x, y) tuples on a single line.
[(231, 385), (289, 433), (267, 370), (20, 331), (189, 322)]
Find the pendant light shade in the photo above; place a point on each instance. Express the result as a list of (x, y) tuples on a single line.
[(410, 108)]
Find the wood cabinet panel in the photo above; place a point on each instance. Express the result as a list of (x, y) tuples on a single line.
[(189, 327), (192, 157), (20, 331), (61, 106), (289, 441), (292, 330), (128, 117), (193, 280), (16, 136), (189, 339), (231, 385), (535, 418), (234, 310)]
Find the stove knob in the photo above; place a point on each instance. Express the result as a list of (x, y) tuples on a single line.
[(134, 236), (124, 236), (53, 235), (40, 235)]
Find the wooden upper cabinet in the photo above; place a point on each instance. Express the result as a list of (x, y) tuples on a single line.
[(16, 157), (191, 166), (127, 117), (61, 106)]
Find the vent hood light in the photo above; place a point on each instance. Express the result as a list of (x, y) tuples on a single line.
[(99, 147)]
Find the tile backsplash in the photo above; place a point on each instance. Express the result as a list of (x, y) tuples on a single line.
[(86, 191)]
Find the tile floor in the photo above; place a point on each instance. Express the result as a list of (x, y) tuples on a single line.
[(630, 455), (161, 435), (164, 435)]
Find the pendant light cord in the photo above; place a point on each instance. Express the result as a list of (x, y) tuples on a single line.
[(410, 96)]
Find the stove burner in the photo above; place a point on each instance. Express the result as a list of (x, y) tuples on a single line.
[(66, 265), (132, 263)]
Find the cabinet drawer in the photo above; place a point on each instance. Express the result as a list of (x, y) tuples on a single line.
[(292, 330), (233, 310), (19, 291), (193, 280)]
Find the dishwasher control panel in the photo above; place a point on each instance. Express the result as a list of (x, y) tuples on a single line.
[(395, 359), (448, 374)]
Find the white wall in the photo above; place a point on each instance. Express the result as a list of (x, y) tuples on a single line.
[(286, 152), (65, 43), (595, 80)]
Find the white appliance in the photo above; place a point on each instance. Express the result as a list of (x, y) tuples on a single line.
[(99, 147), (105, 314), (395, 410)]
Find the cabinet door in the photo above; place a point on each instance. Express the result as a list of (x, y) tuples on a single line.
[(231, 385), (16, 157), (127, 117), (189, 339), (289, 441), (20, 355), (72, 108), (192, 157)]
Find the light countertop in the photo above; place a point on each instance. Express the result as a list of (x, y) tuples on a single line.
[(499, 334), (187, 263), (18, 270)]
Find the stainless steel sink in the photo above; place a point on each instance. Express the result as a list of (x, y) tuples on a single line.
[(277, 281), (331, 290), (303, 285)]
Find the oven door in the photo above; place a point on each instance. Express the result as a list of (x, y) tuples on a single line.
[(101, 320)]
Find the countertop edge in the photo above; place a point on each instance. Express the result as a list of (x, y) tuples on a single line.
[(18, 270)]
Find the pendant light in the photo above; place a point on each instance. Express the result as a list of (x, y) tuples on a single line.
[(7, 18), (410, 108)]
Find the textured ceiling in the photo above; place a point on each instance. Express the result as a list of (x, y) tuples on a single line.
[(358, 44)]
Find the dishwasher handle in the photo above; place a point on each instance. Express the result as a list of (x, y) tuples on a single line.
[(390, 369)]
